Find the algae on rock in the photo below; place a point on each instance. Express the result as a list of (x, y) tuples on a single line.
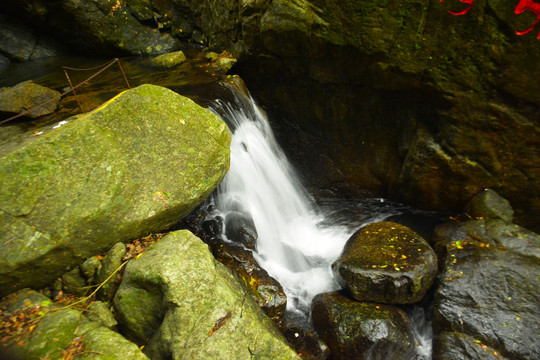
[(135, 165), (183, 304)]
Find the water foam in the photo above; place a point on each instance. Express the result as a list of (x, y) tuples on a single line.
[(292, 245)]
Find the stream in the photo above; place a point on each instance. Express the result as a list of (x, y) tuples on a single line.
[(298, 238)]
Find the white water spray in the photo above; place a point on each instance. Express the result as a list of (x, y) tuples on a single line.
[(291, 245)]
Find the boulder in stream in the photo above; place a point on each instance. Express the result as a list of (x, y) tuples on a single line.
[(134, 166), (168, 60), (27, 96), (359, 330), (240, 228), (487, 302), (183, 304), (388, 263)]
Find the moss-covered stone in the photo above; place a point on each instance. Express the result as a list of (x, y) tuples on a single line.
[(388, 263), (26, 96), (489, 205), (57, 330), (109, 266), (168, 60), (74, 282), (184, 304), (100, 313), (136, 165)]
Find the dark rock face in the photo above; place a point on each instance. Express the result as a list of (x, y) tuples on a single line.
[(239, 227), (402, 100), (384, 95), (19, 42), (388, 263), (355, 330), (98, 26), (487, 302)]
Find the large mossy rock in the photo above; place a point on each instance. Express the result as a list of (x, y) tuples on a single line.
[(359, 330), (388, 263), (136, 165), (52, 333), (183, 304), (265, 290), (487, 302)]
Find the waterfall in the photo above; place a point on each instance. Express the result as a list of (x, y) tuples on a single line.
[(292, 246), (297, 243)]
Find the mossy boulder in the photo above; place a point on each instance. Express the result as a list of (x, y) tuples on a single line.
[(265, 290), (135, 165), (388, 263), (488, 204), (359, 330), (52, 333), (27, 96), (182, 303), (168, 60)]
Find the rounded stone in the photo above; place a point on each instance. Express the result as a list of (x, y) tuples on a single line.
[(359, 330), (387, 263)]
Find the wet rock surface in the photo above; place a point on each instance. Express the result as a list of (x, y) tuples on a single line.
[(307, 343), (26, 97), (388, 263), (486, 304), (239, 227), (358, 330)]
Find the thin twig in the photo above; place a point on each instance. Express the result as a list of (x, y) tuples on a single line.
[(96, 290)]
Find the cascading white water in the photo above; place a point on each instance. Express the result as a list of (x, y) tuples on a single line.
[(291, 245)]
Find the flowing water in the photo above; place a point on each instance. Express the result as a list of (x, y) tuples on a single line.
[(297, 240), (291, 245)]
